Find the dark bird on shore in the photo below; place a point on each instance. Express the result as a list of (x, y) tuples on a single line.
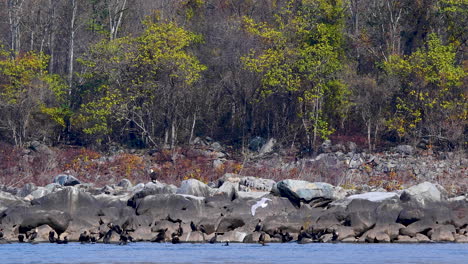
[(107, 237), (153, 175), (115, 228), (193, 226), (214, 239), (303, 234), (259, 226), (160, 237), (226, 244), (180, 230), (261, 239), (1, 233), (21, 238), (84, 237), (286, 237), (123, 238), (202, 229), (93, 239), (175, 238), (33, 235), (100, 221), (52, 237), (64, 241)]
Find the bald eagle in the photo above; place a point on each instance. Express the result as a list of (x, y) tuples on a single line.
[(153, 175)]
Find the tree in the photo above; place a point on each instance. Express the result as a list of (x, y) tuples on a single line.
[(142, 81), (300, 55), (432, 100), (26, 91)]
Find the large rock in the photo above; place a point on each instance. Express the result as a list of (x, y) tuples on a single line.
[(257, 184), (268, 147), (422, 226), (66, 180), (27, 189), (151, 188), (184, 207), (443, 233), (7, 200), (303, 191), (423, 194), (404, 149), (194, 187)]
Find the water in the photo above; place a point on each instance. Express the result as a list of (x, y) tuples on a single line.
[(149, 253)]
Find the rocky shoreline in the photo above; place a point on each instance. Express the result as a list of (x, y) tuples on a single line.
[(225, 210)]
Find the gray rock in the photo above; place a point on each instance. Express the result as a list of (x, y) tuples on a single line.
[(229, 189), (256, 143), (257, 184), (40, 148), (443, 233), (268, 147), (27, 189), (216, 146), (326, 146), (297, 190), (66, 180), (406, 239), (422, 194), (194, 187), (404, 149), (38, 193), (125, 183)]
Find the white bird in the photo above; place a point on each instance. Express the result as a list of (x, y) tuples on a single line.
[(262, 203)]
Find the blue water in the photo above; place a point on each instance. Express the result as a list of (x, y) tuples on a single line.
[(235, 253)]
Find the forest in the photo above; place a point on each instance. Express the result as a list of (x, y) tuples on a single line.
[(159, 73)]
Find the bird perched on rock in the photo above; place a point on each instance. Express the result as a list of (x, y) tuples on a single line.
[(202, 229), (21, 238), (262, 203), (123, 238), (175, 238), (32, 235), (180, 230), (64, 241), (261, 239), (214, 239), (84, 237), (259, 226), (52, 237), (1, 233), (193, 226), (153, 175), (160, 237)]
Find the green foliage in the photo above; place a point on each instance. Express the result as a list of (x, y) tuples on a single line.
[(128, 76), (302, 53), (431, 87)]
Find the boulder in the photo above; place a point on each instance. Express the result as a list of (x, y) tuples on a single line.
[(404, 149), (443, 233), (422, 194), (257, 184), (125, 183), (326, 146), (232, 236), (228, 224), (228, 189), (422, 238), (8, 200), (268, 147), (27, 189), (256, 143), (194, 187), (159, 206), (66, 180), (421, 226), (151, 188), (38, 193), (303, 191)]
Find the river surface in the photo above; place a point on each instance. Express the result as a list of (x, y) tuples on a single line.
[(234, 253)]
